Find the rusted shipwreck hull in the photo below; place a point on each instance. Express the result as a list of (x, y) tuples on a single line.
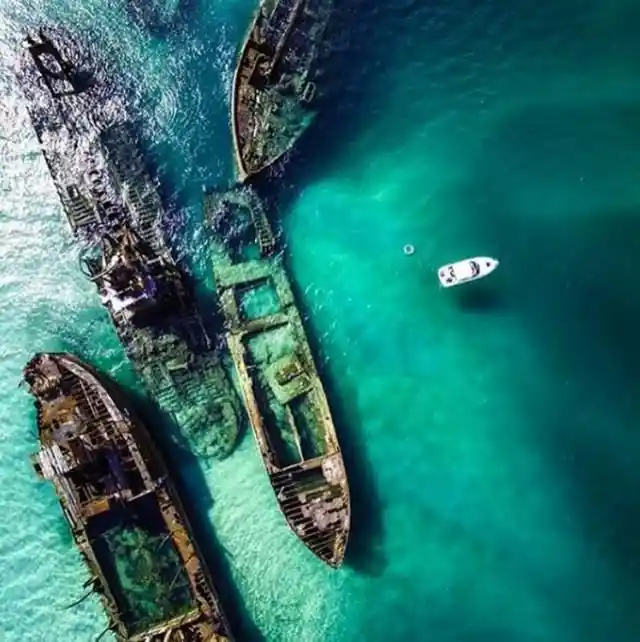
[(274, 84), (117, 217), (123, 512), (284, 395)]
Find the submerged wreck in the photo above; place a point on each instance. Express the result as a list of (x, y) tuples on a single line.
[(274, 85), (285, 399), (124, 514), (114, 210)]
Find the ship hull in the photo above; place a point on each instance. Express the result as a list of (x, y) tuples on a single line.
[(284, 396), (275, 82), (121, 507)]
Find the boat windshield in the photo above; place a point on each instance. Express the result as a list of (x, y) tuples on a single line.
[(475, 268)]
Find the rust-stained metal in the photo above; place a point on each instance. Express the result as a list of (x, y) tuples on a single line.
[(123, 511), (285, 398), (116, 215), (275, 81)]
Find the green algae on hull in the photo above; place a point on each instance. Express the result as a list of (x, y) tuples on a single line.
[(275, 81)]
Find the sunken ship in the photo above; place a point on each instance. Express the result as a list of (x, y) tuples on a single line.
[(285, 399), (115, 212), (274, 86), (123, 512)]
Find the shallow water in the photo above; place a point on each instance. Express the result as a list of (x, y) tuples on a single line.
[(489, 432)]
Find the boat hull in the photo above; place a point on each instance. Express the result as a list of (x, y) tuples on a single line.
[(466, 271)]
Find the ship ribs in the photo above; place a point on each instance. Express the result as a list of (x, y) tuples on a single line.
[(297, 499), (79, 211)]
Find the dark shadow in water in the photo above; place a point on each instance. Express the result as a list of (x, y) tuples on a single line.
[(189, 480), (572, 280), (481, 298), (360, 43), (365, 550), (363, 45)]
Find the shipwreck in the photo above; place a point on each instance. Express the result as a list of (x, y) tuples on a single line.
[(124, 514), (287, 405), (275, 84), (116, 215)]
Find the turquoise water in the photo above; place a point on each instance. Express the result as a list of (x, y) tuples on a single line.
[(491, 432)]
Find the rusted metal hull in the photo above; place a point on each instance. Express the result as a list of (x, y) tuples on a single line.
[(275, 81), (90, 147), (121, 507), (283, 393)]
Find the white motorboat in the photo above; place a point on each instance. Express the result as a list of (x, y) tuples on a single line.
[(466, 270)]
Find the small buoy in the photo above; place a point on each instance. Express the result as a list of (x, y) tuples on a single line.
[(408, 249)]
